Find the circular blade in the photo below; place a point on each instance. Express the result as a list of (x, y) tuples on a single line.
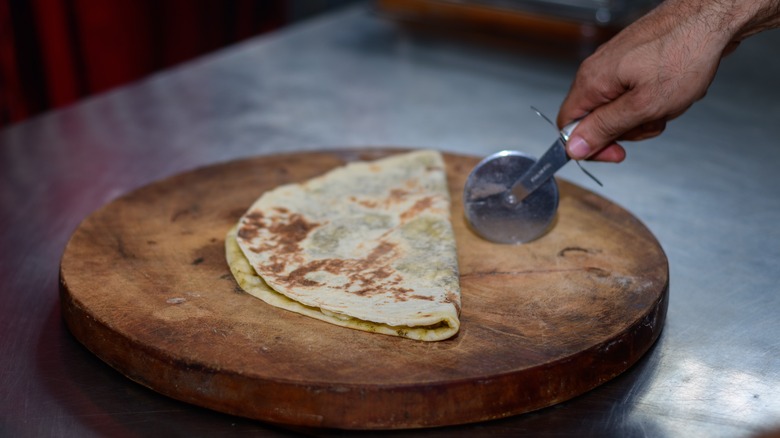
[(491, 213)]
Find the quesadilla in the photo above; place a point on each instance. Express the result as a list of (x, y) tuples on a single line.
[(368, 246)]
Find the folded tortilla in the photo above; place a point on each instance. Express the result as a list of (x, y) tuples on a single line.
[(368, 246)]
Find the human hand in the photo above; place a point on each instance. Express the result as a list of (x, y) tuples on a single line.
[(652, 72)]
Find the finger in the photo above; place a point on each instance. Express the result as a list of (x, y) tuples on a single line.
[(576, 106), (645, 131), (573, 107), (613, 153), (609, 122), (590, 89)]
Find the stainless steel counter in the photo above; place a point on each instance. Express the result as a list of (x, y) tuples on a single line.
[(709, 189)]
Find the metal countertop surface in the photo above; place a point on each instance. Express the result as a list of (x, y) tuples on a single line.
[(708, 188)]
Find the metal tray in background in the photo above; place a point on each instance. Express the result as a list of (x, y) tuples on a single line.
[(543, 24), (616, 13)]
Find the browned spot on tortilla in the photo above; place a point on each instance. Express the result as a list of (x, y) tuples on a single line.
[(368, 204), (276, 265), (381, 250), (373, 281), (421, 297), (247, 232), (401, 293), (452, 297), (250, 225), (372, 274), (418, 207), (397, 195), (298, 277), (283, 234), (254, 216), (381, 273), (289, 234)]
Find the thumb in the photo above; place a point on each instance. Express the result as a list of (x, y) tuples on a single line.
[(600, 128)]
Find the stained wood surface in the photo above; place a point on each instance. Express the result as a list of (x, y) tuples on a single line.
[(145, 286)]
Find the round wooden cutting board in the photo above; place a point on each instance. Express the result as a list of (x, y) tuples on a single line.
[(145, 286)]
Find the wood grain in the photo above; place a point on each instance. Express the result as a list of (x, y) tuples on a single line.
[(145, 286)]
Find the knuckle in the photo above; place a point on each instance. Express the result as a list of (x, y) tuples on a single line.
[(607, 125)]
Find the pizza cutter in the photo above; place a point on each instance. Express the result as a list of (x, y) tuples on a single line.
[(512, 198)]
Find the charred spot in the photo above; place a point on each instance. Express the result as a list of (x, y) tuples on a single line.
[(379, 274), (361, 273), (367, 204), (452, 297), (247, 232), (397, 195), (334, 266), (364, 292), (298, 277), (285, 234), (421, 297), (288, 234), (401, 293), (375, 280), (383, 249), (250, 225), (276, 266), (306, 282), (418, 207), (365, 273), (411, 184), (365, 276), (198, 261), (254, 216)]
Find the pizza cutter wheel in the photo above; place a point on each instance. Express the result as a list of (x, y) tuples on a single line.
[(510, 197)]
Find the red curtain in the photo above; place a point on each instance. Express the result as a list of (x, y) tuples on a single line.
[(54, 52)]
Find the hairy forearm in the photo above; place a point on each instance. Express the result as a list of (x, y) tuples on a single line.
[(733, 19), (654, 70), (758, 15)]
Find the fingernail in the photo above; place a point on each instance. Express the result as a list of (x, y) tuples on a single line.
[(578, 148)]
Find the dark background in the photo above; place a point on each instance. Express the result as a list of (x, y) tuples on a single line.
[(55, 52)]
